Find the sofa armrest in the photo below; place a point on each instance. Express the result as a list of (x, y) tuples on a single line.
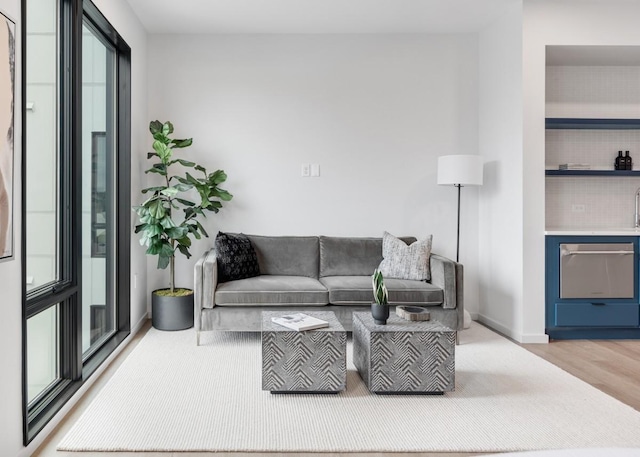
[(447, 274), (205, 282)]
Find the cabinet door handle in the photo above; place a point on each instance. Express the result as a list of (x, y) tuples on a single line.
[(595, 252), (598, 304)]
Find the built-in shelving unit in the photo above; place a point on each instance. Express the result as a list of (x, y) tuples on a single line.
[(611, 173), (592, 109), (569, 123), (595, 124)]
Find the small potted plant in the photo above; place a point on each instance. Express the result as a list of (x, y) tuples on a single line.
[(169, 220), (380, 308)]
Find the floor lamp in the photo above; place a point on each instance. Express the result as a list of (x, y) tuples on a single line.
[(460, 170)]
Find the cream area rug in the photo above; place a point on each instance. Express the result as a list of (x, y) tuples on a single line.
[(170, 395)]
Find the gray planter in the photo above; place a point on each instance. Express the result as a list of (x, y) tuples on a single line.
[(380, 313), (171, 313)]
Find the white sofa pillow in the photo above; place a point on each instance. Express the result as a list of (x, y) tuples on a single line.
[(402, 261)]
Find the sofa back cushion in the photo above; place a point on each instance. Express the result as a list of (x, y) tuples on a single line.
[(351, 256), (287, 255)]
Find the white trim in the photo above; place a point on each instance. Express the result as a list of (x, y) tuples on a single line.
[(530, 338)]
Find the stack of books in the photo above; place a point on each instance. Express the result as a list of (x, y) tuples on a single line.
[(300, 322), (574, 166)]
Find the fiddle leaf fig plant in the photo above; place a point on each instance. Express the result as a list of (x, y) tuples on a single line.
[(380, 293), (168, 217)]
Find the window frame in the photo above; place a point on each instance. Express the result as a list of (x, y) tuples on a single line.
[(66, 290)]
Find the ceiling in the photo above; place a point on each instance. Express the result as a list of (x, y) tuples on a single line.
[(317, 16)]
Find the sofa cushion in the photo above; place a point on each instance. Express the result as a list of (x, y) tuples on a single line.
[(236, 257), (287, 255), (350, 256), (272, 290), (403, 261), (353, 290)]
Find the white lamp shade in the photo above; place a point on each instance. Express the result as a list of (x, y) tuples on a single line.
[(460, 169)]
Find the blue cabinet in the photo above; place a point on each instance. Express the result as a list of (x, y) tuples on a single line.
[(597, 314), (589, 318)]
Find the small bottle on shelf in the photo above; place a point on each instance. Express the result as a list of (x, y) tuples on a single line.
[(628, 161), (619, 162)]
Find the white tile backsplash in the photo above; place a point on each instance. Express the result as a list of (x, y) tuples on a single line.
[(609, 202), (591, 92), (598, 148)]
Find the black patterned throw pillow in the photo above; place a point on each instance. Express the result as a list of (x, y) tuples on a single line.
[(236, 257)]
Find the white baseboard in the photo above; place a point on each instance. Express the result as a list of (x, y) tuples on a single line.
[(530, 338), (60, 415)]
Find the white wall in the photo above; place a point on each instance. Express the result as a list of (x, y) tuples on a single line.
[(10, 284), (549, 22), (374, 111), (120, 15), (501, 197)]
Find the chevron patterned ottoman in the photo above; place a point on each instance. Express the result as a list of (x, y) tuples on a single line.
[(313, 361), (404, 357)]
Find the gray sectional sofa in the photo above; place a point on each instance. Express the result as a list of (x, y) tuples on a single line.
[(317, 273)]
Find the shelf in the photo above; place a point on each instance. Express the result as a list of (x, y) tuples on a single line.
[(592, 173), (602, 124)]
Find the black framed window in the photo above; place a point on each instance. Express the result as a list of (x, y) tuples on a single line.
[(76, 194)]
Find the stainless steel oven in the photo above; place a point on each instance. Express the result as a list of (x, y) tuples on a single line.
[(593, 270)]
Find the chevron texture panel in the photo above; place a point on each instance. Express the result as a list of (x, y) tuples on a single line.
[(404, 356), (311, 361)]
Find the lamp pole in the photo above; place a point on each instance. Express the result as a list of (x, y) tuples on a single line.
[(458, 232)]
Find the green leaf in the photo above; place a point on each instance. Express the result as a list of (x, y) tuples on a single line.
[(154, 229), (167, 223), (169, 191), (184, 250), (155, 127), (192, 180), (158, 168), (217, 177), (204, 232), (185, 241), (156, 209), (164, 151), (152, 189), (162, 138), (184, 163), (182, 143), (200, 168), (151, 154), (185, 202), (164, 255), (221, 194), (167, 128), (183, 187), (176, 233)]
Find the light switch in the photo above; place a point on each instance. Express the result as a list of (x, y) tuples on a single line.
[(306, 170), (315, 169)]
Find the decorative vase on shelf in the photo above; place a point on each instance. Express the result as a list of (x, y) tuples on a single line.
[(380, 308)]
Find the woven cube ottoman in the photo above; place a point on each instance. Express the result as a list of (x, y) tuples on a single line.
[(404, 357), (312, 361)]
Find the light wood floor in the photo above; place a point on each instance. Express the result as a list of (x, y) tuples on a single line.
[(611, 366)]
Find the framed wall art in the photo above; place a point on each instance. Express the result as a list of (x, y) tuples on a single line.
[(7, 157)]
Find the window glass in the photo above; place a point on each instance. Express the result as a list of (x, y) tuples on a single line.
[(41, 168), (98, 189), (42, 352)]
